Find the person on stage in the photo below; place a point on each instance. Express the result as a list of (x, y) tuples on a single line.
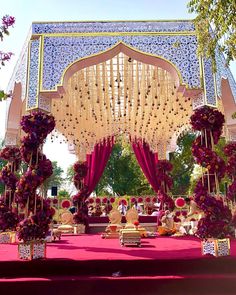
[(137, 207), (194, 215), (107, 208), (122, 208), (167, 227)]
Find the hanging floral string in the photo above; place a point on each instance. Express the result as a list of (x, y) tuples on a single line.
[(81, 169), (217, 220), (36, 210), (230, 151), (165, 182)]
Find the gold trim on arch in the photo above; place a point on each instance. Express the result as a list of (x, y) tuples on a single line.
[(55, 89), (96, 34), (28, 74), (116, 21), (39, 74), (204, 88)]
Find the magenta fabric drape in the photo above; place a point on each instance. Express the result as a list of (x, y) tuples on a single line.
[(96, 162), (147, 161)]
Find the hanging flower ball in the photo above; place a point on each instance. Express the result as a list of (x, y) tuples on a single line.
[(98, 200), (53, 211), (140, 200), (104, 200), (65, 204), (55, 201), (91, 200), (112, 200), (154, 199), (184, 213), (177, 213), (148, 200), (124, 202), (133, 199), (180, 202)]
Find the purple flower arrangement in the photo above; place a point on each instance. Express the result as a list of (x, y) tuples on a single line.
[(8, 219), (230, 151), (81, 170), (217, 220), (7, 174), (35, 227), (164, 182), (38, 125)]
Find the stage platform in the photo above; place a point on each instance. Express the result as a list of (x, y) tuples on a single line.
[(88, 264), (99, 224)]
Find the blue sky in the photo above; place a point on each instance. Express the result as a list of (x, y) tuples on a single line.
[(27, 11)]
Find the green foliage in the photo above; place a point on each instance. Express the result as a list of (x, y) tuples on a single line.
[(63, 194), (56, 179), (183, 164), (122, 174), (220, 15)]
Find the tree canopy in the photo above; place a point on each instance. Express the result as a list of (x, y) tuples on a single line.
[(122, 174), (183, 164), (56, 179), (219, 16)]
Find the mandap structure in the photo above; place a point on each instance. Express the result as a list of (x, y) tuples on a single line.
[(100, 80)]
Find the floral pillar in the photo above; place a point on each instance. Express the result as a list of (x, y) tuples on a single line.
[(217, 220), (36, 126)]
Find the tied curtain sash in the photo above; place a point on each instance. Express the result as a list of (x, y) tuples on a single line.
[(96, 162), (147, 161)]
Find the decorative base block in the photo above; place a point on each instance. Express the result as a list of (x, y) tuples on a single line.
[(79, 229), (216, 247), (130, 237), (7, 237), (32, 250)]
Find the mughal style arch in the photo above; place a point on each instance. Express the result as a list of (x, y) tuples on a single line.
[(97, 78)]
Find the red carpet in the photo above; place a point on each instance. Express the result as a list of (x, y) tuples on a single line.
[(164, 265), (90, 247)]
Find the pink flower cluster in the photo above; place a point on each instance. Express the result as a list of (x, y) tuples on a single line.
[(8, 219), (8, 21)]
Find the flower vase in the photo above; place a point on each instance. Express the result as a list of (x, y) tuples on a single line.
[(31, 250), (216, 247)]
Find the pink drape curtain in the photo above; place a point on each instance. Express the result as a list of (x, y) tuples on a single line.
[(96, 162), (147, 161)]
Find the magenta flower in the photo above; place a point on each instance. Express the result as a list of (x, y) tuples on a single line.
[(8, 21)]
